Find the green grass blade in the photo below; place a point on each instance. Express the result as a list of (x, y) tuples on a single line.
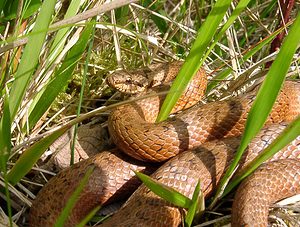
[(165, 192), (73, 199), (5, 136), (88, 217), (82, 90), (157, 7), (30, 56), (122, 15), (31, 155), (29, 8), (264, 42), (196, 207), (286, 137), (195, 58), (5, 150), (266, 96), (2, 4), (61, 35), (61, 78), (236, 12), (58, 44)]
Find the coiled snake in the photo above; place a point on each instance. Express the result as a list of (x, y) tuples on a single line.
[(205, 138)]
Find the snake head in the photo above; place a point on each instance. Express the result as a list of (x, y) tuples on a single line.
[(128, 82)]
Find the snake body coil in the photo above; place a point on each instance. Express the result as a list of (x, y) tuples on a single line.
[(205, 138)]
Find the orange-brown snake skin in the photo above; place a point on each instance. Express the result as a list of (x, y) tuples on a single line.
[(204, 139)]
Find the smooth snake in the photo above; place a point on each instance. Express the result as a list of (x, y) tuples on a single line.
[(205, 138)]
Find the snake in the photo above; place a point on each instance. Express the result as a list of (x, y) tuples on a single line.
[(197, 143)]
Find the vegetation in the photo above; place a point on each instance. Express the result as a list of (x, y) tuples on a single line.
[(54, 56)]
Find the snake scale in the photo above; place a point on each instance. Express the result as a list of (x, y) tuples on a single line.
[(203, 138)]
